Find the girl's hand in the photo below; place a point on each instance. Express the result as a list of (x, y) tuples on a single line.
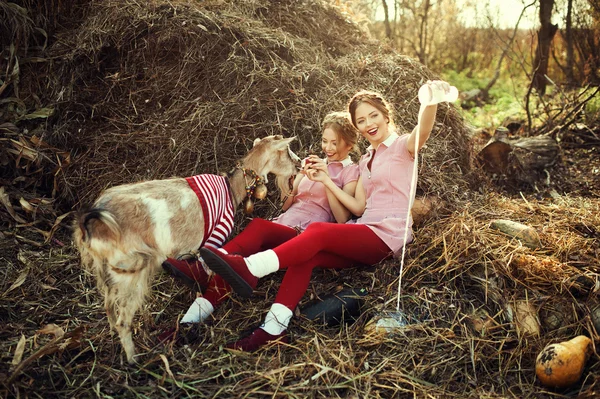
[(316, 175), (438, 86), (441, 84), (316, 163)]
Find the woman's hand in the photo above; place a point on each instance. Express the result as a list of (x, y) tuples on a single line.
[(439, 85), (317, 175), (313, 162)]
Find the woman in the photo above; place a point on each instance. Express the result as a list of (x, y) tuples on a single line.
[(310, 201), (383, 194)]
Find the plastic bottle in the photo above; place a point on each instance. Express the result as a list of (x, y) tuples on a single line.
[(431, 94), (334, 309)]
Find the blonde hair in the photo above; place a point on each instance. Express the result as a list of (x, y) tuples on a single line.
[(340, 123), (371, 98)]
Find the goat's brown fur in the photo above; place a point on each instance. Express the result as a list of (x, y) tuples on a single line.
[(133, 228)]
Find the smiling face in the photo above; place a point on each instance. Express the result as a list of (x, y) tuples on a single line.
[(334, 147), (372, 123)]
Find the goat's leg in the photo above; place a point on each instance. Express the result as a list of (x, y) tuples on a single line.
[(106, 285), (132, 290), (123, 327), (111, 308)]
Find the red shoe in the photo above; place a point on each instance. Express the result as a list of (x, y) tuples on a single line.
[(256, 340), (189, 272), (232, 268)]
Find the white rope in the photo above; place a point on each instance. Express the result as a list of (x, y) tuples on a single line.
[(412, 193)]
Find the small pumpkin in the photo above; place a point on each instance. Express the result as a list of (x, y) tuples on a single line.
[(561, 365), (260, 192), (248, 207)]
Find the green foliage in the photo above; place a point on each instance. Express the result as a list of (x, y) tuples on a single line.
[(464, 80), (592, 110), (506, 97)]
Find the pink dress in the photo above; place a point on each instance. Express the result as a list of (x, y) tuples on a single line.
[(387, 188), (311, 204)]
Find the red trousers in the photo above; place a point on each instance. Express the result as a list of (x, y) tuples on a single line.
[(258, 236), (324, 245)]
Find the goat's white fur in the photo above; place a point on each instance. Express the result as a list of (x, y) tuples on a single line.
[(133, 228)]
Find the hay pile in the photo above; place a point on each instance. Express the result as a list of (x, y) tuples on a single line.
[(176, 89), (173, 88)]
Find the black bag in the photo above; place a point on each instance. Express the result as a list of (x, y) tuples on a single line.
[(335, 309)]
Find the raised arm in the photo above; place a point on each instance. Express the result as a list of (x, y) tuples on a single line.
[(424, 127), (426, 121)]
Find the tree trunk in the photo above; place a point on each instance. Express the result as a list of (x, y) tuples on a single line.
[(542, 53), (569, 41), (423, 33), (386, 21)]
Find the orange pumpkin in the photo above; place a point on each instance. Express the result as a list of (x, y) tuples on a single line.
[(561, 365)]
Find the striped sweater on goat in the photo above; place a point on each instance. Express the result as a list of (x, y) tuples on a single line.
[(215, 198)]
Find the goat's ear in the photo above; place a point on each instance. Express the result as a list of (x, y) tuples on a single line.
[(283, 144), (256, 141)]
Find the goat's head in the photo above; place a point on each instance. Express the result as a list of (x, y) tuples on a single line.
[(272, 154)]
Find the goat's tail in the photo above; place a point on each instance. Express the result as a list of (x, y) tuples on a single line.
[(98, 223), (91, 224)]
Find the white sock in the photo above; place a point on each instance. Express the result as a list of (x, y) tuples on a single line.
[(198, 311), (263, 263), (223, 250), (277, 319)]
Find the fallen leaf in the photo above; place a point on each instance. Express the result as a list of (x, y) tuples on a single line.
[(19, 351), (6, 202), (26, 205), (56, 224), (38, 113), (19, 281), (52, 329), (69, 340), (22, 258), (22, 150)]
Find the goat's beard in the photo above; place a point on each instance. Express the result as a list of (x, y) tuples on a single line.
[(285, 184)]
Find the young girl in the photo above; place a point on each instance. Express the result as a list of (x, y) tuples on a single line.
[(310, 201), (382, 199)]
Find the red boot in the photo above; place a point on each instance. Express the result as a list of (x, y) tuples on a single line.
[(190, 272), (257, 339), (232, 268)]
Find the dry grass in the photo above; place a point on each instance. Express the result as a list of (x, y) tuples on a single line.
[(175, 88)]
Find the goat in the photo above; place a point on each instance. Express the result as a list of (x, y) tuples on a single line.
[(131, 229)]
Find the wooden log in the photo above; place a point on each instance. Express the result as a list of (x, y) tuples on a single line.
[(520, 157), (526, 234)]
